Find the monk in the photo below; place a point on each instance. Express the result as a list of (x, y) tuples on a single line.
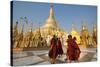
[(77, 50), (53, 53), (59, 46), (70, 49)]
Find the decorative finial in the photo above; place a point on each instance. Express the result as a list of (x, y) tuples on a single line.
[(17, 22), (51, 4)]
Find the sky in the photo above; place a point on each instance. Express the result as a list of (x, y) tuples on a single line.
[(65, 14)]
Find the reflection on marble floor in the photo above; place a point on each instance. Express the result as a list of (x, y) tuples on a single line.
[(27, 58)]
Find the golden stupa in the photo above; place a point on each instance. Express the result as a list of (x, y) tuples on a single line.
[(50, 26), (74, 33), (38, 37), (94, 35), (84, 36)]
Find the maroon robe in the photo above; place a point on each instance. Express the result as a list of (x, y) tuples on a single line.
[(73, 51), (77, 50), (59, 46), (70, 49), (53, 53)]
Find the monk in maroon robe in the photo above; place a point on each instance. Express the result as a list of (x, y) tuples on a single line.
[(53, 53), (59, 46), (77, 50), (70, 49)]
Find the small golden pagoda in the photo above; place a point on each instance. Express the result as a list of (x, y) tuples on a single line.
[(15, 34), (74, 33), (84, 36), (94, 35)]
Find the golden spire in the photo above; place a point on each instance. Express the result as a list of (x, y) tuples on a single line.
[(94, 28), (15, 29), (74, 33), (51, 14), (16, 25), (73, 27), (50, 21), (31, 25), (22, 30), (84, 26)]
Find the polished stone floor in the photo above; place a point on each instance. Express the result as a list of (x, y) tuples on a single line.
[(40, 57)]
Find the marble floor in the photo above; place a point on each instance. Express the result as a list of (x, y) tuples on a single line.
[(40, 57)]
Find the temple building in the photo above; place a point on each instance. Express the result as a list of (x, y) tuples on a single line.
[(94, 35), (50, 23), (15, 34), (75, 33), (50, 27), (84, 36), (26, 37)]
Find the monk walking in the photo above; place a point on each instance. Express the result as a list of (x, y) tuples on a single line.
[(59, 46), (77, 50), (53, 53), (70, 49)]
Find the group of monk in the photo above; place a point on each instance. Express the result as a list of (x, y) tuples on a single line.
[(56, 50)]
